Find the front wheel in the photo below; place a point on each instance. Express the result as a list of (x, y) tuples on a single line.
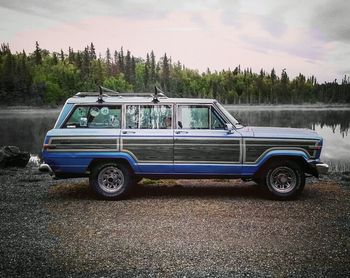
[(111, 180), (284, 181)]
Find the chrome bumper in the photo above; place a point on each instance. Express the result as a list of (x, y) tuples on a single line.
[(45, 168), (322, 168)]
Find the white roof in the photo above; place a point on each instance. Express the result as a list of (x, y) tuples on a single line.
[(137, 99)]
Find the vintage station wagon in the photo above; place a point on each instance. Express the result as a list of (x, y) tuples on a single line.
[(117, 139)]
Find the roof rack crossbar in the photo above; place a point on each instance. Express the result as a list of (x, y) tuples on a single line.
[(88, 94), (110, 91), (96, 94), (105, 92)]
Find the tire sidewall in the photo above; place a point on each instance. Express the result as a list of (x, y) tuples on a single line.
[(122, 192)]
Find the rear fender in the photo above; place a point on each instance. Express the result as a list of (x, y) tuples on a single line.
[(79, 162)]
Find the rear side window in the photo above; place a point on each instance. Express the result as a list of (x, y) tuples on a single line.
[(95, 117), (149, 116)]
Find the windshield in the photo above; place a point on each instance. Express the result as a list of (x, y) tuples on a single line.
[(229, 116)]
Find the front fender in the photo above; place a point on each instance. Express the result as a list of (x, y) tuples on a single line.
[(280, 153), (249, 169)]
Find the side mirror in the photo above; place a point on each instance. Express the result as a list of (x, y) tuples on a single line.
[(229, 128)]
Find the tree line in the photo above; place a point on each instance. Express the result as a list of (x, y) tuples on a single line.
[(49, 78)]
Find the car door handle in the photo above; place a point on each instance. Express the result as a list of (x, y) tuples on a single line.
[(128, 132), (181, 132)]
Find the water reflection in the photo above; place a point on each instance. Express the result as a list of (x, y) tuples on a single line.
[(337, 120), (26, 129)]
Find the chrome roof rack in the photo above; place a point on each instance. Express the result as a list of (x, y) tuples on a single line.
[(158, 93)]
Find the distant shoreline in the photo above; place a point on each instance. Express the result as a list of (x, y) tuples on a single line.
[(277, 107)]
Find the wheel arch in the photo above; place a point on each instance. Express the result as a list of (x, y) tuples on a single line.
[(297, 158), (120, 160)]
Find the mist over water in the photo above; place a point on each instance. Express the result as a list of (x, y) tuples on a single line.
[(27, 128)]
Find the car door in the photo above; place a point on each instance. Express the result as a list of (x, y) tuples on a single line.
[(201, 143), (148, 136)]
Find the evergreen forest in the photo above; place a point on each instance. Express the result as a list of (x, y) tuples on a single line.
[(49, 78)]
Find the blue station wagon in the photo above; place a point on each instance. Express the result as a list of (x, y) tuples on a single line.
[(117, 139)]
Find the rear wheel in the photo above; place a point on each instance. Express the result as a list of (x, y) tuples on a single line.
[(284, 180), (111, 180)]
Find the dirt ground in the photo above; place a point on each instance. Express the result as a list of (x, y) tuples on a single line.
[(183, 228)]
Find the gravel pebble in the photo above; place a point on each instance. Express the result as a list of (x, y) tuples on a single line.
[(177, 228)]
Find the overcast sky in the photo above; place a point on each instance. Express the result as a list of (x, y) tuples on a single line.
[(311, 37)]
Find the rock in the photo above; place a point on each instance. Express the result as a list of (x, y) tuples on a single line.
[(345, 178), (13, 156)]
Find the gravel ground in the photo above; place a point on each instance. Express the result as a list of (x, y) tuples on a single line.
[(183, 228)]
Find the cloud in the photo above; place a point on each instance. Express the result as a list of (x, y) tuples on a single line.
[(333, 20), (133, 8), (302, 50), (274, 25)]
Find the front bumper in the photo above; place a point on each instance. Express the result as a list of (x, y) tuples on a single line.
[(322, 168), (317, 168)]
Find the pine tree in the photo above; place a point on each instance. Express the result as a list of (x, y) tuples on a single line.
[(37, 54), (115, 63), (165, 73), (133, 71), (92, 52), (109, 62), (128, 67), (121, 62), (153, 69), (147, 68), (79, 60), (85, 68), (5, 49), (8, 74), (70, 55), (273, 75), (62, 56), (54, 58)]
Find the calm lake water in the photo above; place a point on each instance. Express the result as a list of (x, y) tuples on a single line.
[(27, 128)]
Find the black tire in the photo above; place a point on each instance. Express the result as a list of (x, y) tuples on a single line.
[(284, 180), (111, 181)]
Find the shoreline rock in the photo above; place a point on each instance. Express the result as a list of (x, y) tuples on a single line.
[(12, 156)]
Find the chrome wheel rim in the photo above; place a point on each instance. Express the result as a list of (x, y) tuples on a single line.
[(111, 179), (283, 179)]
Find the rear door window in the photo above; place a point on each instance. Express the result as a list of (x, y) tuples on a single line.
[(149, 116)]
